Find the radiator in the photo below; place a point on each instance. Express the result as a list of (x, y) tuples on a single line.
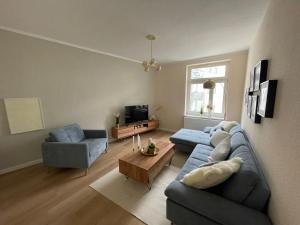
[(197, 123)]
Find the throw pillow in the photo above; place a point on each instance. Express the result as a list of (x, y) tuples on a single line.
[(227, 125), (221, 151), (209, 176), (218, 136)]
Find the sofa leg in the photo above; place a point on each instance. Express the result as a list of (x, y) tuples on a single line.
[(106, 150), (86, 171)]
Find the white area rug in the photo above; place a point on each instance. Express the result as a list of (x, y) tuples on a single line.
[(135, 197)]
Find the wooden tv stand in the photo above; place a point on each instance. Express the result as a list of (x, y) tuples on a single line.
[(134, 128)]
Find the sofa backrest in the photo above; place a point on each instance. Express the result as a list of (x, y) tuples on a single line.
[(70, 133), (248, 186), (237, 139)]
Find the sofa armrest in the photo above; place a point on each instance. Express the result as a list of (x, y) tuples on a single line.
[(213, 206), (95, 133), (68, 155)]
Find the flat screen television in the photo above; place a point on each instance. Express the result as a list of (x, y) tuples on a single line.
[(136, 113)]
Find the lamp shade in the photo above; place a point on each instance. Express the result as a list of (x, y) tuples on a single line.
[(209, 84)]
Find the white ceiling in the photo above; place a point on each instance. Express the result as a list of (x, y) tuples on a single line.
[(186, 29)]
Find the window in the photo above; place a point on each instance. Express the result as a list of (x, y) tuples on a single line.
[(206, 102)]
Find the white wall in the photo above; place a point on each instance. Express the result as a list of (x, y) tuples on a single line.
[(74, 86), (170, 88), (277, 140)]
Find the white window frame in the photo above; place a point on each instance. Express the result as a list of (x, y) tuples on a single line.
[(190, 81)]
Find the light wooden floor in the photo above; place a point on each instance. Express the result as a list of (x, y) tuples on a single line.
[(34, 196)]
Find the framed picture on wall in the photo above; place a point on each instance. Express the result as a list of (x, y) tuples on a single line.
[(267, 98), (249, 104), (246, 96), (254, 105), (260, 74), (251, 85)]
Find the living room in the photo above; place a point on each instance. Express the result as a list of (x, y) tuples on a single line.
[(114, 112)]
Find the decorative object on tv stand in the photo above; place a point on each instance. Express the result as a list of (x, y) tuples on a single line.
[(260, 74), (254, 106), (117, 117), (152, 63), (156, 109), (267, 98)]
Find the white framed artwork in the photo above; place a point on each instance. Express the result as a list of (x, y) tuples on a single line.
[(24, 114)]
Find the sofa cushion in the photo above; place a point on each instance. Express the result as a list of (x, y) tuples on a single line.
[(237, 139), (190, 137), (236, 129), (59, 135), (74, 132), (198, 157), (207, 129), (245, 182)]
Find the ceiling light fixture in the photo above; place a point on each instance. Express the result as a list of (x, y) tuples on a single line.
[(152, 63)]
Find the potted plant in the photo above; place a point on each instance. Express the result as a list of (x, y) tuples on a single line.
[(117, 117)]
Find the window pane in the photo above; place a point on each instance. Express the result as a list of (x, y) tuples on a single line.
[(199, 98), (208, 72), (218, 97)]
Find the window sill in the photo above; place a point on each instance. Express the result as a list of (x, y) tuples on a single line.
[(204, 117)]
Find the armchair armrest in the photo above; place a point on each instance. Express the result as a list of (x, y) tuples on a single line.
[(68, 155), (213, 206), (95, 133)]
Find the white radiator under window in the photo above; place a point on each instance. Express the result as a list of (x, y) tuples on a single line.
[(198, 123)]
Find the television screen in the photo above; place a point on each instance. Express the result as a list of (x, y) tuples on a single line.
[(136, 113)]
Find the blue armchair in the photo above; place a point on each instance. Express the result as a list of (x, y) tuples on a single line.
[(72, 147)]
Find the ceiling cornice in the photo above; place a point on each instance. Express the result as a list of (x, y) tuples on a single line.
[(67, 44)]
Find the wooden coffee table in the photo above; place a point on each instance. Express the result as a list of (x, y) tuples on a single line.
[(145, 168)]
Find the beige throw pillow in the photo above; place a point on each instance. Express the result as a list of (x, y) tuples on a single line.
[(221, 151), (227, 125), (218, 136), (209, 176)]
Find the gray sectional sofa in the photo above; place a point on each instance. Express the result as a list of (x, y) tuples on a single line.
[(241, 200), (72, 147)]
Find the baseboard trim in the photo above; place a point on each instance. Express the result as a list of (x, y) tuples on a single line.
[(166, 129), (20, 166)]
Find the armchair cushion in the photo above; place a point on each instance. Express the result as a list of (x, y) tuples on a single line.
[(59, 135), (74, 132)]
